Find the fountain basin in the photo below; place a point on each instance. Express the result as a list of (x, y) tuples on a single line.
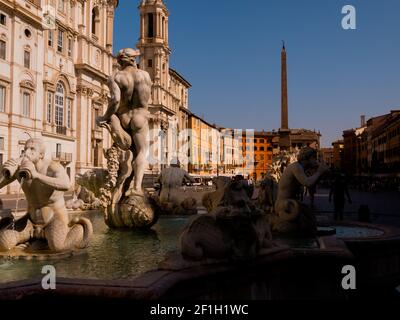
[(132, 265)]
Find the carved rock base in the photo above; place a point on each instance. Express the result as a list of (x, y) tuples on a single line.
[(135, 211)]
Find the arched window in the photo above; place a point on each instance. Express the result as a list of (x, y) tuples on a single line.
[(59, 105), (95, 21)]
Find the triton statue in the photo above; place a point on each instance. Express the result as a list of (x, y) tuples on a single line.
[(44, 183)]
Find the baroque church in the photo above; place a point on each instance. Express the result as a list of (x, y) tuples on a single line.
[(55, 59)]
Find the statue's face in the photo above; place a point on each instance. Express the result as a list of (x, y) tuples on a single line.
[(124, 58), (33, 151)]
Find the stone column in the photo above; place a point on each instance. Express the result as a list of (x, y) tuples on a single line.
[(142, 26), (166, 30), (110, 29)]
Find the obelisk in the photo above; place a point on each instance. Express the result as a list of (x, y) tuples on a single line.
[(284, 132)]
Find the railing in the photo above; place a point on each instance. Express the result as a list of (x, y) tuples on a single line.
[(63, 157), (61, 130)]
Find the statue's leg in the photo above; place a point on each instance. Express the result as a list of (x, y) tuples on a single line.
[(61, 237), (140, 128), (11, 236), (121, 138)]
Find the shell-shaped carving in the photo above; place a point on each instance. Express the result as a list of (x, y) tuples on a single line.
[(136, 212)]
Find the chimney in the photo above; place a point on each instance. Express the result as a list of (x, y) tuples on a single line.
[(362, 121)]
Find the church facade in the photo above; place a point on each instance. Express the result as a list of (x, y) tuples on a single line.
[(55, 58)]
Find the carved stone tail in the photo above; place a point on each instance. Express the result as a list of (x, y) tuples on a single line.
[(87, 231)]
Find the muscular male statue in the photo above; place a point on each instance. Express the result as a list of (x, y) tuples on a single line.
[(292, 215), (127, 114), (43, 183)]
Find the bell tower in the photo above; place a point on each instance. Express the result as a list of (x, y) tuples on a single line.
[(153, 42)]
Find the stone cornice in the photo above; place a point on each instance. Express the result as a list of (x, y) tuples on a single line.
[(5, 79), (67, 28), (58, 136), (35, 21), (85, 68)]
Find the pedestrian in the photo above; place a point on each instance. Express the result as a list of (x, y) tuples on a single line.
[(339, 190)]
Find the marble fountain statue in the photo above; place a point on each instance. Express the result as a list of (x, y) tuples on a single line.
[(44, 183), (122, 197), (238, 250)]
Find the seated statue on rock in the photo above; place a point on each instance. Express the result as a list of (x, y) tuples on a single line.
[(123, 200), (44, 183), (212, 199), (171, 199), (291, 216), (235, 229)]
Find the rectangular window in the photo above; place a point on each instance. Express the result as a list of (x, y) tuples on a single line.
[(26, 104), (3, 19), (59, 115), (150, 21), (49, 110), (1, 143), (96, 115), (2, 99), (1, 159), (70, 47), (2, 50), (69, 113), (150, 63), (58, 149), (60, 41), (27, 59), (50, 38)]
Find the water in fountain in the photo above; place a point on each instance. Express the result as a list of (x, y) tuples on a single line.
[(112, 254)]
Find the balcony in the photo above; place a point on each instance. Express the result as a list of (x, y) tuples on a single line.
[(61, 130), (63, 157)]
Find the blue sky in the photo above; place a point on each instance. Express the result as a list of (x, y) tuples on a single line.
[(229, 50)]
